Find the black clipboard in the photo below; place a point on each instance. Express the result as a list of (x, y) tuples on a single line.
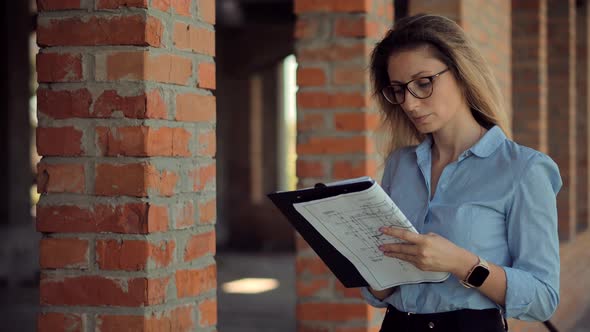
[(342, 268)]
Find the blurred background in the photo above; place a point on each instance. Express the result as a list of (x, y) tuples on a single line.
[(257, 43)]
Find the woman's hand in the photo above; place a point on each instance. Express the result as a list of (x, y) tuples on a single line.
[(429, 252)]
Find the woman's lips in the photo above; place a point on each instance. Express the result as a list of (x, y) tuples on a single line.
[(420, 119)]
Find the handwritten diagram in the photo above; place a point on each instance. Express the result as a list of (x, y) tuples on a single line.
[(362, 223), (351, 222)]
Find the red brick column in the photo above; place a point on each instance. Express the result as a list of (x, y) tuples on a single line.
[(561, 44), (529, 73), (487, 23), (336, 122), (448, 8), (126, 130), (582, 134)]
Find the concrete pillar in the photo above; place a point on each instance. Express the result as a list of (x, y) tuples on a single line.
[(336, 120), (126, 131)]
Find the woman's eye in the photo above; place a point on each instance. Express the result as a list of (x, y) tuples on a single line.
[(423, 83)]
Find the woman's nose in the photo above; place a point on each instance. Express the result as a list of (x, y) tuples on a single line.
[(410, 102)]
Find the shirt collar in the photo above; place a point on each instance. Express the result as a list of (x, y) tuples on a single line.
[(490, 141)]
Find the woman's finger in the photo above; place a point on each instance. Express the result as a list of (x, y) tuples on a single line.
[(402, 248), (401, 234), (403, 257)]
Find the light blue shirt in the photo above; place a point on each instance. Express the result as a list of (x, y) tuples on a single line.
[(498, 200)]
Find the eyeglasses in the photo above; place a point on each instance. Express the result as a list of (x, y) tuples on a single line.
[(420, 88)]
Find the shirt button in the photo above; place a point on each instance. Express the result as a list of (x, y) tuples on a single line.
[(431, 325)]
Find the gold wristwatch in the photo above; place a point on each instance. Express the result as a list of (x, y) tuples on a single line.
[(477, 275)]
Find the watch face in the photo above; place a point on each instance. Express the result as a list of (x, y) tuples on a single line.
[(478, 276)]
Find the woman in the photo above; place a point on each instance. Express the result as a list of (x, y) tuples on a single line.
[(485, 207)]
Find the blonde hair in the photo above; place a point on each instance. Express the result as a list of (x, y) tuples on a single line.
[(448, 43)]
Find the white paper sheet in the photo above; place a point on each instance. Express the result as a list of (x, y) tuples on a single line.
[(351, 222)]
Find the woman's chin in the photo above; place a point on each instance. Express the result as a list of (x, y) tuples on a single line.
[(424, 129)]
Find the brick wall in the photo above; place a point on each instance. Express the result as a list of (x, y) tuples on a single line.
[(126, 130), (529, 73), (335, 121), (561, 40), (450, 8), (488, 24), (582, 136)]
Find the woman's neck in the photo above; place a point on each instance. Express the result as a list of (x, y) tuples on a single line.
[(451, 140)]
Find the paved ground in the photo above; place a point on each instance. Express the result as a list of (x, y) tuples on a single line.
[(266, 312), (271, 311)]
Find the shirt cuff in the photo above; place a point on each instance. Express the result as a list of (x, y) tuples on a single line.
[(519, 292), (373, 301)]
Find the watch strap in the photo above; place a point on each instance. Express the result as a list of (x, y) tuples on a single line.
[(481, 262)]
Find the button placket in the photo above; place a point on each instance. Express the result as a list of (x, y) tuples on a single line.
[(446, 176)]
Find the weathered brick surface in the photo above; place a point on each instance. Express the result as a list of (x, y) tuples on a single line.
[(335, 119), (582, 118), (562, 109), (59, 67), (488, 24), (63, 253), (49, 5), (194, 282), (129, 218), (54, 321), (134, 255), (529, 73), (100, 30), (127, 161), (115, 4), (178, 319)]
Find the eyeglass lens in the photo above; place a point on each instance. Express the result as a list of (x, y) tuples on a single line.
[(420, 88)]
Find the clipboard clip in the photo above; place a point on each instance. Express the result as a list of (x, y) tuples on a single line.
[(321, 185), (318, 185)]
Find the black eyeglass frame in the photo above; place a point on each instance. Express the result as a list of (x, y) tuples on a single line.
[(405, 87)]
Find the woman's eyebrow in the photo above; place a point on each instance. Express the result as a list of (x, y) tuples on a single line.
[(413, 76)]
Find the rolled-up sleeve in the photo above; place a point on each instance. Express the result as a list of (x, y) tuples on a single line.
[(532, 291)]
